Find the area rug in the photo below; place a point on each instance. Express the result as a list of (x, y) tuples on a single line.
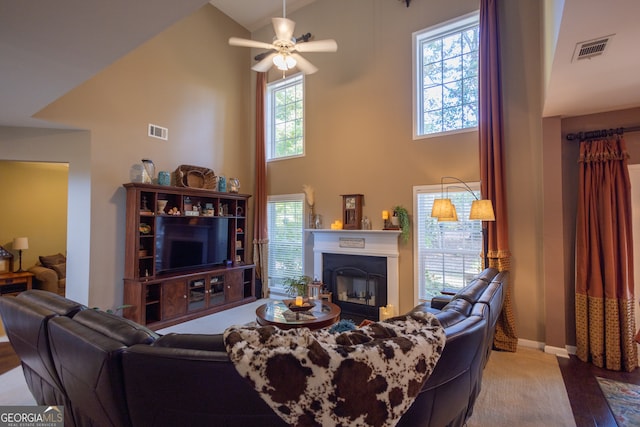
[(623, 400), (523, 389)]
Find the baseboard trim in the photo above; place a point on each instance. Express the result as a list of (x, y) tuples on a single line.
[(558, 351)]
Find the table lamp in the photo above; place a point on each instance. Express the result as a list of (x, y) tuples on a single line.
[(20, 243)]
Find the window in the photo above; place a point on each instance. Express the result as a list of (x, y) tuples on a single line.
[(285, 118), (445, 77), (285, 218), (447, 254)]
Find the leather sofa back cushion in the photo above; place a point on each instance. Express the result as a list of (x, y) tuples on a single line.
[(460, 305), (116, 327), (472, 291), (54, 302), (214, 342)]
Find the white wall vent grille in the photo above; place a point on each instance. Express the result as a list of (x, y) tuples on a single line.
[(591, 48), (156, 131)]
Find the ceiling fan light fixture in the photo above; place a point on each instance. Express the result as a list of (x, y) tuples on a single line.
[(284, 62)]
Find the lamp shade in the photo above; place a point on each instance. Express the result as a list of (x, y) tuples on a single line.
[(442, 208), (452, 218), (20, 243), (482, 210)]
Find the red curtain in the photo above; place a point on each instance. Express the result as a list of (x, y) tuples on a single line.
[(492, 182), (605, 323), (260, 234)]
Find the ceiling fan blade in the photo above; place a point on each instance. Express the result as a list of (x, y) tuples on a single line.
[(283, 28), (236, 41), (328, 45), (264, 64), (304, 65)]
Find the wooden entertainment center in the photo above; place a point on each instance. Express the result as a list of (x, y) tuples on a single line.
[(162, 298)]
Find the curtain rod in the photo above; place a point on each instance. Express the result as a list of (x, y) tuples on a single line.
[(581, 136)]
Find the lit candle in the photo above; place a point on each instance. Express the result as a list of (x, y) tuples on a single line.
[(385, 214), (299, 301)]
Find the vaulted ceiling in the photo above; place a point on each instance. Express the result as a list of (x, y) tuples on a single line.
[(49, 48)]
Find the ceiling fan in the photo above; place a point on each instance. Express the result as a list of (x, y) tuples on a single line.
[(283, 52)]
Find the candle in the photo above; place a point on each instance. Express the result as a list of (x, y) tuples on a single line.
[(385, 214), (299, 301)]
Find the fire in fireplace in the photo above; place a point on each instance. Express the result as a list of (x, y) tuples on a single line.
[(358, 283)]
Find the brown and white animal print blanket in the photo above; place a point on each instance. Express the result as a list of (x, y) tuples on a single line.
[(366, 377)]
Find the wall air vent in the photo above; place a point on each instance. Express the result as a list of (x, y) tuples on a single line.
[(159, 132), (591, 48)]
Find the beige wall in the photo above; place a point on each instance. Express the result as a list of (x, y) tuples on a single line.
[(359, 127), (186, 79), (35, 206)]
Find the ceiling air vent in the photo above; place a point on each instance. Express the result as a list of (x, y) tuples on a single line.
[(591, 48), (158, 132)]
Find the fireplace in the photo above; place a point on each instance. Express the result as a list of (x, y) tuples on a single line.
[(360, 268), (358, 283)]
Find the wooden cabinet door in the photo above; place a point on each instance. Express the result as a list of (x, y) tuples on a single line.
[(233, 286), (174, 298)]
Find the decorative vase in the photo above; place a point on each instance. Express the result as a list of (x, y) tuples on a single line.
[(312, 219), (161, 205), (164, 178), (149, 171)]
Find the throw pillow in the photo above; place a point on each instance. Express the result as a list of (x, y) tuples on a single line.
[(61, 269), (51, 260)]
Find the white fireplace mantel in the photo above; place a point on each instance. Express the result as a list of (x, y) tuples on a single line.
[(381, 243)]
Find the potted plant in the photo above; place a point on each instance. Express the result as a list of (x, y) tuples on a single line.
[(403, 219), (297, 286)]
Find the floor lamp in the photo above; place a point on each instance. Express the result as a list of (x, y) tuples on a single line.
[(20, 244), (481, 210)]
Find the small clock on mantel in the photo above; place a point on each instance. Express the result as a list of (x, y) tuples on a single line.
[(352, 211)]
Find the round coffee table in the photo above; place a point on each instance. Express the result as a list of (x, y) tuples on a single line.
[(276, 313)]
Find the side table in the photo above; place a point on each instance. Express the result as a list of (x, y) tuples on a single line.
[(14, 283)]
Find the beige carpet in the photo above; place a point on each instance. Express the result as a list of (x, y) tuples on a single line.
[(522, 389)]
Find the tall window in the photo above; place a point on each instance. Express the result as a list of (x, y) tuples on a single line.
[(285, 118), (285, 217), (447, 254), (446, 77)]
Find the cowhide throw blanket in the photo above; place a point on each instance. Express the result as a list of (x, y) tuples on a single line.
[(368, 377)]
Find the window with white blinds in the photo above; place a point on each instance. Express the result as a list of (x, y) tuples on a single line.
[(285, 217), (448, 254)]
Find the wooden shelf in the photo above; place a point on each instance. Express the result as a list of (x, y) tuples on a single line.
[(160, 300)]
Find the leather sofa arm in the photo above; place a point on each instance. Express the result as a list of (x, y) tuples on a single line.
[(440, 301)]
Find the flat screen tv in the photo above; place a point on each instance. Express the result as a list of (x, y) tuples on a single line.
[(190, 242)]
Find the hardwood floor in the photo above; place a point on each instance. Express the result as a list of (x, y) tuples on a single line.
[(588, 404), (8, 358)]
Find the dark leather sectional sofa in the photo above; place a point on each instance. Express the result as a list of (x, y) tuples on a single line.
[(109, 371)]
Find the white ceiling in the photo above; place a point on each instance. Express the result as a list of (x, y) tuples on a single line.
[(47, 50), (253, 14)]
